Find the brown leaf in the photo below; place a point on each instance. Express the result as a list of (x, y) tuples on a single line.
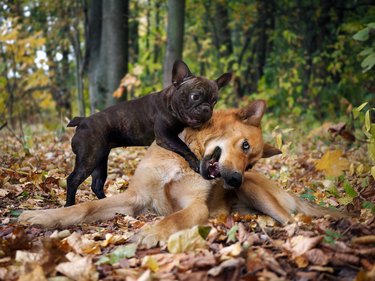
[(34, 273), (78, 268), (369, 239), (317, 256), (299, 245), (82, 245)]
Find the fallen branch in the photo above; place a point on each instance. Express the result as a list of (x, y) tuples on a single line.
[(2, 126)]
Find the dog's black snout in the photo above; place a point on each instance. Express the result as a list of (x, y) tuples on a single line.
[(235, 179), (206, 109)]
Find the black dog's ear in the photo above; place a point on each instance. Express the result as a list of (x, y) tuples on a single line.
[(253, 113), (180, 72), (223, 80), (269, 151)]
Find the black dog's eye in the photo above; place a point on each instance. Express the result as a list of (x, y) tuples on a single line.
[(245, 146), (195, 96)]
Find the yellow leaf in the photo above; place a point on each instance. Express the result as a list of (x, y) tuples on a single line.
[(360, 169), (279, 141), (373, 171), (367, 121), (186, 240), (332, 164), (371, 149), (345, 200), (150, 263)]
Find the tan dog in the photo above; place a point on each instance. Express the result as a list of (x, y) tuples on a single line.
[(228, 145)]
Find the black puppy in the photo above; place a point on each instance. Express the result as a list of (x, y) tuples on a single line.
[(188, 102)]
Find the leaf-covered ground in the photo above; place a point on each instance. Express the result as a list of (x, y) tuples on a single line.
[(253, 247)]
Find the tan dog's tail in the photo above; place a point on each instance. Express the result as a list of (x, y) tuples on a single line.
[(312, 209)]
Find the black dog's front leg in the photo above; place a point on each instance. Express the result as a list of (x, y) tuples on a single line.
[(170, 140)]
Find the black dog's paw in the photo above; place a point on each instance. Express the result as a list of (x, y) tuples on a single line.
[(194, 165)]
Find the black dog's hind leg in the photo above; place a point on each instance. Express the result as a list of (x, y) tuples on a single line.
[(99, 176), (84, 166)]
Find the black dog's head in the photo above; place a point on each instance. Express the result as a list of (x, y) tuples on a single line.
[(193, 98)]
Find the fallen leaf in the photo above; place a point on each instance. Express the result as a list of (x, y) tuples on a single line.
[(35, 274), (225, 265), (120, 253), (300, 244), (368, 239), (150, 263), (186, 240), (82, 245), (317, 257), (301, 261), (332, 164), (78, 268), (24, 256), (233, 250)]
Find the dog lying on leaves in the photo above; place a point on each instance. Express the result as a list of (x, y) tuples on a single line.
[(228, 145)]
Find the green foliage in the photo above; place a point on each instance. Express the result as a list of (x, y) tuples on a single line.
[(368, 129), (330, 236), (309, 195), (232, 234), (122, 252), (369, 205), (365, 35)]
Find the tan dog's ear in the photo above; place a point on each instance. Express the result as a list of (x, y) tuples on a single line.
[(223, 80), (269, 151), (253, 113), (180, 72)]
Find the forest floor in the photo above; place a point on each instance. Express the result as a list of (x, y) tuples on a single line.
[(254, 247)]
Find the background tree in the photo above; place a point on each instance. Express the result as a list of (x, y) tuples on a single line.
[(175, 37), (298, 55)]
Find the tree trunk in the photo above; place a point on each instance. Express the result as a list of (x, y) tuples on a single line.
[(222, 28), (113, 49), (133, 34), (175, 35), (93, 50), (157, 40)]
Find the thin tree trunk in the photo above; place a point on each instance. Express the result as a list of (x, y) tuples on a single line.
[(157, 32), (113, 49), (93, 51), (175, 35)]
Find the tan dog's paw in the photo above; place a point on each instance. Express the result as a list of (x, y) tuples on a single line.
[(149, 237), (35, 217)]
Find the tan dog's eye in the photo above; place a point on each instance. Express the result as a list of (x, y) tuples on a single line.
[(245, 146), (195, 96)]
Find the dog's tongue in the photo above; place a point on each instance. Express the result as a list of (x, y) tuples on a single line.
[(213, 170)]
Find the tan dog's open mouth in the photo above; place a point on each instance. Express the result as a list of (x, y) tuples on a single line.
[(210, 165)]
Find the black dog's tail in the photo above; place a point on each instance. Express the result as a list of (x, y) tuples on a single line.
[(75, 121)]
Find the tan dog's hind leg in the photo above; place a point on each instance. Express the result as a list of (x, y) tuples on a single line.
[(264, 195)]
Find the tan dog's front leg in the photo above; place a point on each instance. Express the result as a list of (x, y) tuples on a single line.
[(196, 213)]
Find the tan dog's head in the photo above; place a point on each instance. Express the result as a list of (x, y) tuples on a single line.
[(234, 143)]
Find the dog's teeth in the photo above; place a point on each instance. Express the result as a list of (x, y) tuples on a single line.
[(212, 176)]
